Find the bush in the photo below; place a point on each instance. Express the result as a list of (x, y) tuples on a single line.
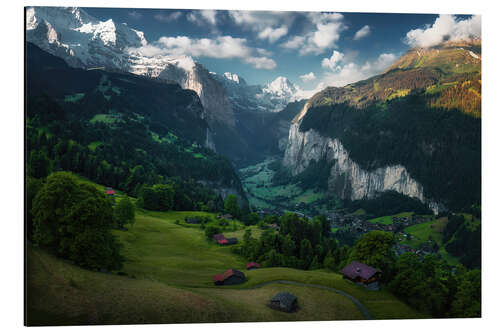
[(211, 230)]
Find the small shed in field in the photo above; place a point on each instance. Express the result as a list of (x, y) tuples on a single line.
[(284, 301), (229, 277)]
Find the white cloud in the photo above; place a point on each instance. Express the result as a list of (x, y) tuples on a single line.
[(261, 62), (294, 42), (445, 27), (135, 15), (264, 52), (273, 34), (325, 34), (202, 17), (222, 47), (269, 26), (333, 61), (168, 17), (350, 72), (363, 32), (308, 77)]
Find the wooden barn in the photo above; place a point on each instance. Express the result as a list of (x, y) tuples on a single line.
[(192, 220), (361, 273), (110, 191), (222, 240), (231, 241), (229, 277), (218, 237), (252, 265), (284, 301)]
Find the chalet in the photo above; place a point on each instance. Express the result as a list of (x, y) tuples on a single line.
[(252, 265), (231, 241), (360, 273), (229, 277), (192, 220), (274, 226), (110, 191), (218, 237), (222, 240), (284, 301), (225, 217)]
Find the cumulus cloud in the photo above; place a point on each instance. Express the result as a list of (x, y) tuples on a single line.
[(308, 77), (174, 16), (202, 17), (273, 34), (294, 42), (445, 27), (325, 34), (269, 26), (363, 32), (343, 73), (135, 15), (333, 61), (222, 47), (261, 62)]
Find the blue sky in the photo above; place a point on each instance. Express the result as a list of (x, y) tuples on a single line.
[(310, 48)]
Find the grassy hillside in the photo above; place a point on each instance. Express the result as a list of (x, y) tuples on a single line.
[(167, 278)]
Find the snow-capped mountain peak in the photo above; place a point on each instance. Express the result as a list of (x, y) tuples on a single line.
[(281, 86), (232, 77)]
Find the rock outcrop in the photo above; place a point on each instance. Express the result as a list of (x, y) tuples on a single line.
[(347, 179)]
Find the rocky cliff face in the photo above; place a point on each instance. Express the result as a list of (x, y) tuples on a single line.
[(347, 179)]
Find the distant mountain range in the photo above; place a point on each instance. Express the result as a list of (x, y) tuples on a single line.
[(86, 42)]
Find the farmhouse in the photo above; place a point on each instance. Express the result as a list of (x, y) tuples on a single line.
[(218, 237), (284, 301), (274, 226), (361, 273), (222, 240), (231, 241), (192, 220), (231, 276), (252, 265), (225, 217)]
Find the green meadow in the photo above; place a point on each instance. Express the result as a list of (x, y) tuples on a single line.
[(167, 278)]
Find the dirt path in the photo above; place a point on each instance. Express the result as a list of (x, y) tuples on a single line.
[(360, 306)]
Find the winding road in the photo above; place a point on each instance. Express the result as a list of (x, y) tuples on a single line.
[(358, 304)]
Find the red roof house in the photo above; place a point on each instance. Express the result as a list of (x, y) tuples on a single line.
[(218, 237), (252, 265), (231, 276)]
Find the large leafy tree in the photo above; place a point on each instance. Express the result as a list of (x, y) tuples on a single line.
[(124, 212), (157, 197), (424, 284), (74, 220), (375, 249), (231, 205), (467, 300)]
